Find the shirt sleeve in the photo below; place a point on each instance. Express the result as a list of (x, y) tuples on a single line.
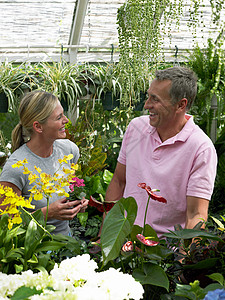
[(203, 173)]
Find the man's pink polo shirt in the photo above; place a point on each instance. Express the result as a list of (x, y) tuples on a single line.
[(184, 165)]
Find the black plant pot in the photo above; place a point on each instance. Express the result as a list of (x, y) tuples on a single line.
[(109, 101), (4, 103), (64, 103), (140, 105)]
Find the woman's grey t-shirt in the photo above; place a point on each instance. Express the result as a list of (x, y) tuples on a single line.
[(49, 165)]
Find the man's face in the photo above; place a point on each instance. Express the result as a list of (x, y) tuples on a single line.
[(159, 104)]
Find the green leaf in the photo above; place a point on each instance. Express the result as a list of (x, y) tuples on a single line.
[(49, 246), (220, 224), (107, 177), (152, 274), (83, 217), (116, 227), (217, 277), (24, 293), (30, 239), (18, 268), (204, 264), (185, 291), (33, 259), (192, 233)]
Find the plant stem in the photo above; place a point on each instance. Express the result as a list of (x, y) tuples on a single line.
[(46, 216), (38, 224), (146, 209)]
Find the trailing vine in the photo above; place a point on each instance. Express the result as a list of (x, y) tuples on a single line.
[(142, 26)]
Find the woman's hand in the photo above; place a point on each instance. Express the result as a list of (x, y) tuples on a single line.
[(63, 209), (84, 203)]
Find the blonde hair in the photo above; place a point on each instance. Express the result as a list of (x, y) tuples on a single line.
[(34, 106)]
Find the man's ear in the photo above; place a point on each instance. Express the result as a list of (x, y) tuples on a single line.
[(37, 127), (182, 104)]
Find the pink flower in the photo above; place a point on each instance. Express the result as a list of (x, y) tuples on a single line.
[(76, 182)]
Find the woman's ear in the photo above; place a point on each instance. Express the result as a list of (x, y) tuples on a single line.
[(37, 127)]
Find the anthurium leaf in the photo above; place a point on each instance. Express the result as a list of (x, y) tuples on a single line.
[(116, 227), (25, 292), (191, 233), (152, 274), (135, 230)]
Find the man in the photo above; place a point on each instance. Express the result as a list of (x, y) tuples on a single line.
[(167, 151)]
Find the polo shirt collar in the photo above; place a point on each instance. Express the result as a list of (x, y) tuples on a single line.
[(181, 136)]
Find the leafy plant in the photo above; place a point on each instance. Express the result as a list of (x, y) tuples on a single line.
[(209, 65), (64, 80), (142, 26), (26, 246), (13, 80)]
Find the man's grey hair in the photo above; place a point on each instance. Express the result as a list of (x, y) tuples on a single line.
[(184, 83)]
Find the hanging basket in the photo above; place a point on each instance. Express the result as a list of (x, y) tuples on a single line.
[(4, 103)]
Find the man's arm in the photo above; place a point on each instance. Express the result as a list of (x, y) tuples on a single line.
[(197, 209), (116, 187)]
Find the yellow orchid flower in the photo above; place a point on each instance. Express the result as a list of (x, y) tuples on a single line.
[(74, 166), (20, 163), (38, 195), (38, 169), (26, 171), (32, 177)]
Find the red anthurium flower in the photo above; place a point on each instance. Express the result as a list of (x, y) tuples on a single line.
[(101, 206), (128, 246), (146, 241), (151, 194)]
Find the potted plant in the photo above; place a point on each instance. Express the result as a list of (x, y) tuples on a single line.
[(63, 80), (12, 84), (108, 87)]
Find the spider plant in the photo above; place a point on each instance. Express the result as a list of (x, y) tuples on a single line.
[(64, 80), (13, 81)]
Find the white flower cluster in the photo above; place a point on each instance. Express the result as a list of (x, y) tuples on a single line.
[(74, 279)]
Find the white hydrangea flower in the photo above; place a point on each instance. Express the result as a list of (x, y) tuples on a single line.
[(75, 268), (74, 278), (55, 295), (120, 285), (10, 283)]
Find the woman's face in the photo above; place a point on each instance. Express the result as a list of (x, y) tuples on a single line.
[(54, 128)]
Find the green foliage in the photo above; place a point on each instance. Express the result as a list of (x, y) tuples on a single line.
[(142, 26), (209, 65), (26, 246), (64, 80), (119, 226)]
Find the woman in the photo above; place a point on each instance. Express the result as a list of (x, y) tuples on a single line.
[(40, 138)]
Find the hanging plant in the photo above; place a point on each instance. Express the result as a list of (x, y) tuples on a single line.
[(142, 26)]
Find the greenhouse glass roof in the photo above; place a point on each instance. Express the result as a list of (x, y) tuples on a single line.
[(80, 30)]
